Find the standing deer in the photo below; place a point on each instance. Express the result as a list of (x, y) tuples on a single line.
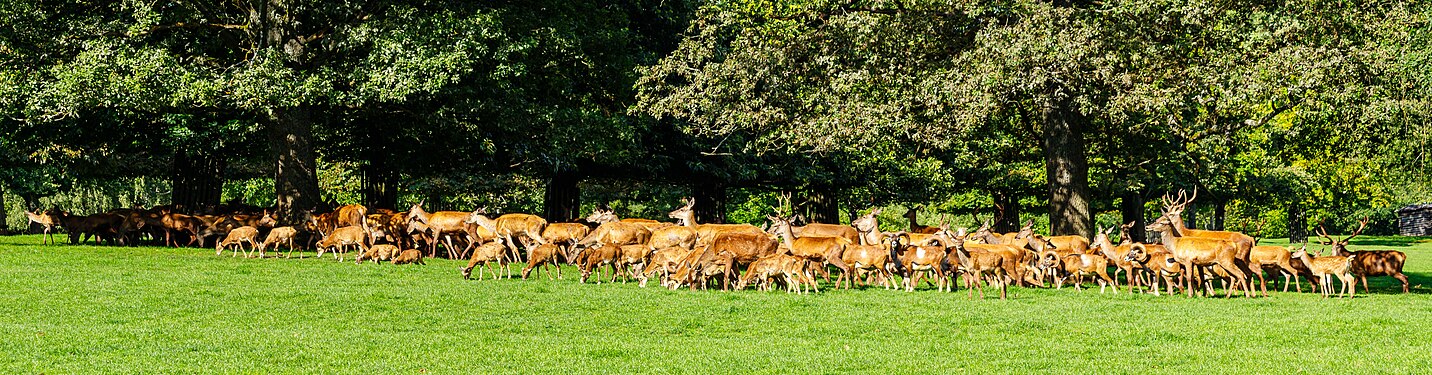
[(46, 222), (1369, 262), (1193, 252), (1326, 267)]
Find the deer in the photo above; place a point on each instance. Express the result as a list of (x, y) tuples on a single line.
[(631, 258), (665, 261), (706, 232), (542, 257), (176, 223), (237, 237), (674, 235), (744, 247), (1194, 252), (1077, 265), (378, 253), (1016, 257), (409, 256), (564, 235), (439, 227), (816, 229), (912, 215), (279, 236), (919, 261), (866, 258), (977, 264), (1173, 208), (486, 255), (1327, 267), (1273, 257), (613, 232), (763, 270), (1158, 262), (1115, 255), (341, 238), (509, 226), (1368, 262), (827, 249), (598, 255), (47, 222)]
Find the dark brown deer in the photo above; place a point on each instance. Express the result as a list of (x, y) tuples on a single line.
[(1368, 262)]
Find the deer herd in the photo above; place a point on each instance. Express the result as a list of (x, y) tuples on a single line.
[(688, 254)]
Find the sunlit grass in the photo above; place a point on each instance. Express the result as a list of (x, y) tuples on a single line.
[(89, 309)]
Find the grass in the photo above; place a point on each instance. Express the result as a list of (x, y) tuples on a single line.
[(88, 309)]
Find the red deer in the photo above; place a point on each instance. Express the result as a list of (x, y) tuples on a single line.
[(1016, 258), (237, 237), (706, 266), (1326, 267), (439, 227), (1369, 262), (509, 226), (279, 236), (616, 232), (543, 257), (673, 236), (598, 255), (175, 223), (976, 264), (341, 238), (1173, 209), (827, 249), (1273, 258), (565, 235), (706, 232), (486, 255), (632, 258), (45, 221), (378, 253), (794, 271), (912, 215), (1117, 255), (1198, 252), (665, 261), (409, 256)]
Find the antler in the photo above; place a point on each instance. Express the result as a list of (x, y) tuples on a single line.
[(1323, 233), (1361, 224)]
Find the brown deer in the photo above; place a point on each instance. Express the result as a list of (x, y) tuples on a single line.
[(1194, 252), (439, 227), (1326, 267), (916, 262), (912, 215), (543, 257), (1368, 262), (1116, 255), (675, 235), (666, 262), (237, 237), (409, 256), (279, 236), (614, 232), (509, 226), (1160, 264), (378, 253), (341, 238), (1077, 265), (487, 255), (47, 223), (830, 250), (598, 255), (977, 264), (565, 235), (1173, 209), (706, 232)]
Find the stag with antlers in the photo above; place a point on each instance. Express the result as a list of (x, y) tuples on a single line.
[(1368, 262)]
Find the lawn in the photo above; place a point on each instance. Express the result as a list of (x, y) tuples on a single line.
[(89, 309)]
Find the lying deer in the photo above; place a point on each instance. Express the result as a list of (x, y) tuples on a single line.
[(409, 256)]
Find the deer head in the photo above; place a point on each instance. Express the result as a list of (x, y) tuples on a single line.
[(1340, 245)]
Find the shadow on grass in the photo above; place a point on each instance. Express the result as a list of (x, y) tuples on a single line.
[(1395, 241)]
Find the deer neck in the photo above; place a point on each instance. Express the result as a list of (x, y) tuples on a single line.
[(870, 237), (1169, 240), (992, 239), (689, 220), (1307, 260), (788, 237)]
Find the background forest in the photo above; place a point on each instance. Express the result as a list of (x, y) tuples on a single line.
[(1281, 114)]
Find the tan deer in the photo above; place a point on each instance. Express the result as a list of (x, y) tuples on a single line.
[(1173, 209), (706, 232), (829, 250), (978, 263), (1159, 264), (1326, 267), (1194, 252), (47, 223)]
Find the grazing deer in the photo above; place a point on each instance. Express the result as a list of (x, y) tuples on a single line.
[(706, 232), (1194, 252), (598, 255), (279, 236), (341, 238), (1326, 267), (1369, 262), (47, 222), (666, 262), (378, 253), (486, 255), (542, 257), (439, 227), (237, 237)]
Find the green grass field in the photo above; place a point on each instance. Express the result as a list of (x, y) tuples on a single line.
[(90, 309)]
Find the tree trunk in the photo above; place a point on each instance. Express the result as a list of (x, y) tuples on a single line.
[(4, 215), (710, 202), (1007, 211), (820, 205), (290, 132), (1220, 210), (380, 185), (1132, 209), (1190, 215), (197, 181), (563, 200), (1066, 169), (1297, 227)]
